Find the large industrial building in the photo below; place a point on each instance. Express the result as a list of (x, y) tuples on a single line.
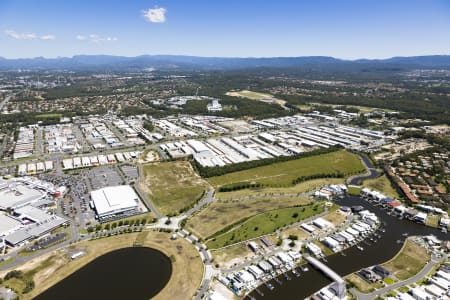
[(114, 200), (25, 201), (16, 194)]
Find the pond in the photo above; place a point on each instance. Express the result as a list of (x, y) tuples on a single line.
[(129, 273)]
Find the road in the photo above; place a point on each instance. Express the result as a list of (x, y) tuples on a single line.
[(40, 142), (208, 198), (423, 273), (144, 197), (371, 172), (4, 102), (18, 260)]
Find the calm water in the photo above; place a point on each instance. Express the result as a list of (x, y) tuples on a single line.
[(130, 273), (384, 249)]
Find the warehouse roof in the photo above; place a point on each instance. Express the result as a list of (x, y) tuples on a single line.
[(17, 194), (7, 224), (114, 199)]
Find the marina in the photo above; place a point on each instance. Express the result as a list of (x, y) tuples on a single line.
[(390, 232)]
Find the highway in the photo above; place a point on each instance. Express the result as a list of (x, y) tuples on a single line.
[(4, 102)]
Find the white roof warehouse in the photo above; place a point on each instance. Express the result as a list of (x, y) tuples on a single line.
[(114, 200)]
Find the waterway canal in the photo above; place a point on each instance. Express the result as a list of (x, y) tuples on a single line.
[(384, 249)]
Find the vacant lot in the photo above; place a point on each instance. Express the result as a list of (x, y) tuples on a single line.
[(383, 185), (295, 189), (283, 173), (265, 223), (297, 231), (362, 285), (408, 262), (227, 257), (172, 186), (250, 95), (433, 221), (257, 96), (219, 215), (335, 217), (51, 268)]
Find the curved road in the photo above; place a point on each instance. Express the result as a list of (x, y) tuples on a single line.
[(423, 273), (371, 172)]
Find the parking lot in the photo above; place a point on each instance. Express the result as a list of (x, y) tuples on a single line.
[(130, 172), (48, 240), (101, 177), (75, 203)]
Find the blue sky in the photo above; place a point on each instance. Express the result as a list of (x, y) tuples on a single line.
[(244, 28)]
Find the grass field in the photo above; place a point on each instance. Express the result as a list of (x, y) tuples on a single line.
[(172, 186), (264, 223), (295, 230), (383, 185), (47, 116), (227, 257), (408, 262), (51, 268), (219, 215), (283, 173), (354, 190), (303, 107), (250, 95), (335, 217), (295, 189), (18, 284), (362, 109), (257, 96), (433, 221)]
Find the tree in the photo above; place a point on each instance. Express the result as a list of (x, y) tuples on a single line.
[(293, 237)]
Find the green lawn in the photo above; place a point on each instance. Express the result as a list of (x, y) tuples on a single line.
[(47, 116), (7, 261), (283, 173), (172, 186), (218, 216), (264, 223), (354, 190)]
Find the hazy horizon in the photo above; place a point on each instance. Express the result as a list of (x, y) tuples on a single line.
[(346, 29), (215, 56)]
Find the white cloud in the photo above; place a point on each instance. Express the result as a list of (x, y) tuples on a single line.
[(155, 15), (94, 38), (20, 36), (81, 38), (28, 36), (48, 37)]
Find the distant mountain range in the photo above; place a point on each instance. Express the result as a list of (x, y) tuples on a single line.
[(173, 62)]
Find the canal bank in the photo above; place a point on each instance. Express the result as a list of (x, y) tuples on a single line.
[(352, 259)]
